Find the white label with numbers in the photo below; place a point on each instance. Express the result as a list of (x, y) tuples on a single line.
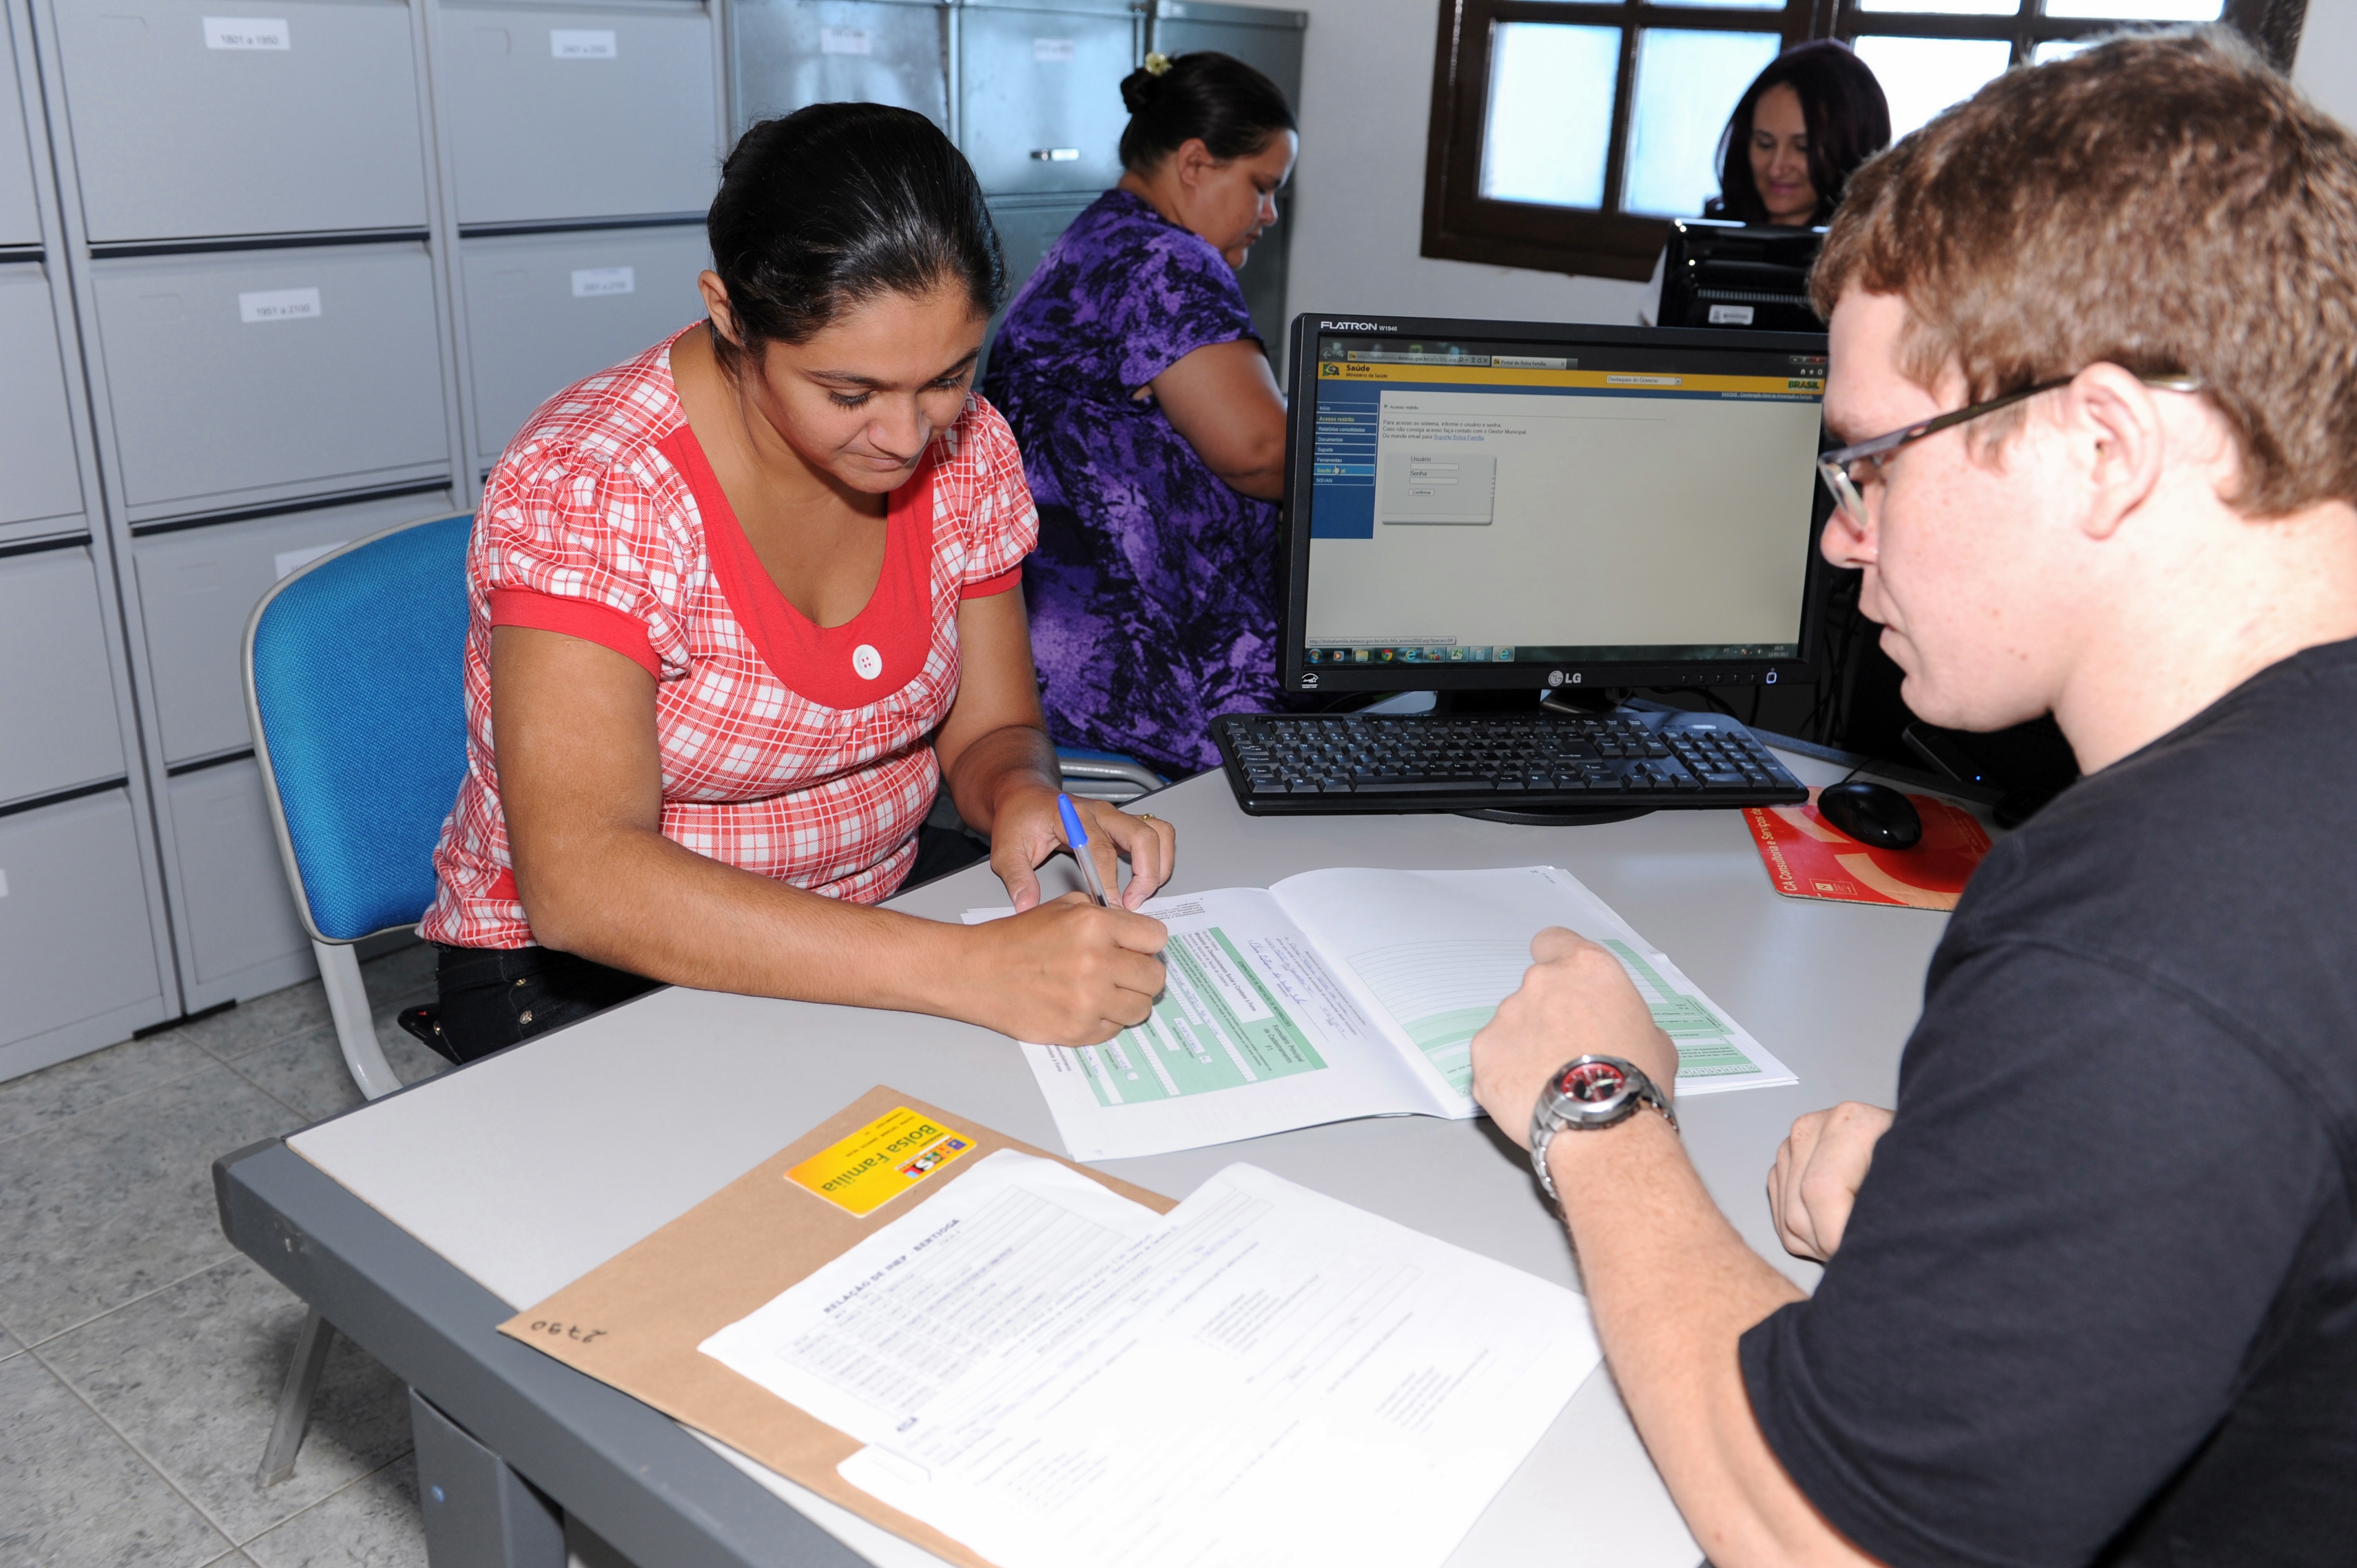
[(246, 33), (591, 281), (278, 304), (1730, 316), (581, 43), (846, 41), (1054, 51)]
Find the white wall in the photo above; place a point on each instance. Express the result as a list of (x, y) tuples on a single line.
[(1366, 97), (2326, 68)]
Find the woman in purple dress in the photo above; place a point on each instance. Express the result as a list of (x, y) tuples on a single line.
[(1152, 430)]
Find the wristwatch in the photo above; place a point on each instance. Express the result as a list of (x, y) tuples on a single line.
[(1588, 1093)]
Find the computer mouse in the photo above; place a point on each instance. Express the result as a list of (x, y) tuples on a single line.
[(1874, 815)]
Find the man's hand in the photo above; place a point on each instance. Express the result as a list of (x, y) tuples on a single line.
[(1818, 1169), (1576, 1000)]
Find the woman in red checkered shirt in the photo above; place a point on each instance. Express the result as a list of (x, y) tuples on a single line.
[(741, 607)]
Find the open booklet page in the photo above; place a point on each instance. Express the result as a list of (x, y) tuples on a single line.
[(1265, 1375), (1344, 993)]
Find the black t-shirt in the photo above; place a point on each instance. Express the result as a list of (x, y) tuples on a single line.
[(2097, 1302)]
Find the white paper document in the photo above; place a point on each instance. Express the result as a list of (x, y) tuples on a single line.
[(1344, 993), (1265, 1375)]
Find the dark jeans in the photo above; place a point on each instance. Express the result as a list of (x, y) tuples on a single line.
[(491, 998)]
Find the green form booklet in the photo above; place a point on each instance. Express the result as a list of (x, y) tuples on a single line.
[(1342, 994)]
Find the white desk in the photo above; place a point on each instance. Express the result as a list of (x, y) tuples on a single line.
[(526, 1170)]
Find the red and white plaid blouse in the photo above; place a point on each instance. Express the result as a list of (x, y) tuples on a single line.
[(791, 750)]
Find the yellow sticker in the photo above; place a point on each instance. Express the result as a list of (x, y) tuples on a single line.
[(881, 1161)]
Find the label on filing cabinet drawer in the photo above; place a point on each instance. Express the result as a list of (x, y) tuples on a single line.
[(246, 33), (581, 43), (1055, 51), (278, 304), (591, 281), (846, 41)]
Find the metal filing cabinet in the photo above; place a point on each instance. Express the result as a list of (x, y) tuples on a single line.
[(231, 890), (195, 589), (784, 54), (569, 112), (253, 376), (40, 476), (20, 215), (545, 310), (73, 929), (1026, 226), (188, 124), (1039, 106), (57, 714)]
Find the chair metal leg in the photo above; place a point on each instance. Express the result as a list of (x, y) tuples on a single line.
[(339, 972), (311, 1347)]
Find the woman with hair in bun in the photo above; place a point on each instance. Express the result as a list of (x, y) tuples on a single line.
[(1152, 430), (740, 607)]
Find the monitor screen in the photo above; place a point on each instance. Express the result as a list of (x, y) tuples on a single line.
[(1501, 504)]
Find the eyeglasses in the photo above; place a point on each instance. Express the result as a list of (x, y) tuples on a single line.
[(1835, 467)]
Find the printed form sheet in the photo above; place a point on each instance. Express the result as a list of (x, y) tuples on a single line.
[(1265, 1375), (1345, 994)]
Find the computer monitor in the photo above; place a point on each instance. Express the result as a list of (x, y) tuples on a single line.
[(1716, 274), (1500, 504)]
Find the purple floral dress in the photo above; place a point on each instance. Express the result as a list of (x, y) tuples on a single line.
[(1152, 593)]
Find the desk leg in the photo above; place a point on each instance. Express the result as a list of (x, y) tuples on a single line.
[(478, 1513), (312, 1344)]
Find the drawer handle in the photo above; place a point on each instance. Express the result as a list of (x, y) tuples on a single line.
[(1056, 155)]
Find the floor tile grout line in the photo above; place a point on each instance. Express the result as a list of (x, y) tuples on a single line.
[(137, 1452), (321, 1501), (277, 1100), (79, 1324), (212, 1061)]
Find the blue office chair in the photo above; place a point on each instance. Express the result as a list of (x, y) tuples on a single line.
[(354, 687)]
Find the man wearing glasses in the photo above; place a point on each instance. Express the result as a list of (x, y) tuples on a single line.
[(2091, 1291)]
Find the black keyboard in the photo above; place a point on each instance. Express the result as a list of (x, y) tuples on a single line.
[(1542, 763)]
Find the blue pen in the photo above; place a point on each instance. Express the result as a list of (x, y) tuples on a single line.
[(1077, 837)]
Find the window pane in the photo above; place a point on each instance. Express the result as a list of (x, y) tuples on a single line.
[(1949, 7), (1550, 120), (2140, 10), (1922, 75), (1729, 5), (2061, 48), (1687, 83)]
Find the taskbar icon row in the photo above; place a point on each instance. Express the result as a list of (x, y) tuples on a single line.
[(1423, 653)]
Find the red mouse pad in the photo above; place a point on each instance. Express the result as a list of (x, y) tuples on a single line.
[(1808, 857)]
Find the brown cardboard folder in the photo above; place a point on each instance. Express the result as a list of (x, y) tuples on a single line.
[(635, 1321)]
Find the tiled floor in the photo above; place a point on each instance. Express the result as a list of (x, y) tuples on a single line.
[(140, 1357)]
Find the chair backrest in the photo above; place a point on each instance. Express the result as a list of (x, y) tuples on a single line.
[(355, 689)]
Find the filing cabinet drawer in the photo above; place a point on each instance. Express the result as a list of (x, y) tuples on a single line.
[(786, 54), (295, 115), (559, 113), (199, 586), (1026, 227), (232, 881), (75, 941), (545, 310), (1039, 95), (38, 474), (20, 216), (316, 367), (58, 726)]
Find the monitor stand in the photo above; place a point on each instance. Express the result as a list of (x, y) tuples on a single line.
[(1520, 702)]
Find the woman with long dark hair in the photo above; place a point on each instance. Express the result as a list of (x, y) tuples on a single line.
[(741, 606), (1798, 133), (1152, 429)]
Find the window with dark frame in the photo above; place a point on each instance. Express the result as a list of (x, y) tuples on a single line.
[(1565, 132)]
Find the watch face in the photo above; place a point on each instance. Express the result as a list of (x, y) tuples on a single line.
[(1593, 1083)]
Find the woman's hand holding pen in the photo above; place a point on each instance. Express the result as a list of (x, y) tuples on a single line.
[(1029, 829), (1066, 972)]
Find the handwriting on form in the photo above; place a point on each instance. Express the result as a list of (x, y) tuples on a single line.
[(572, 1331)]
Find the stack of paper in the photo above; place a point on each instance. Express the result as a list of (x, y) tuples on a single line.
[(1059, 1377)]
